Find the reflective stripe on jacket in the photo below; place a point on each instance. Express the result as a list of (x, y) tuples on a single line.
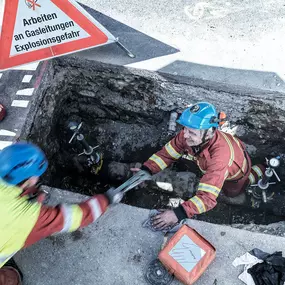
[(24, 223), (222, 158)]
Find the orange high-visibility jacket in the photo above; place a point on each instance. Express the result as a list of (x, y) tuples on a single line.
[(222, 158), (24, 223)]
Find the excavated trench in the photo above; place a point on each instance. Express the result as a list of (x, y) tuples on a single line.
[(126, 113)]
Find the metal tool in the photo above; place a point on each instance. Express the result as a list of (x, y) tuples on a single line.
[(269, 172), (134, 181), (129, 53), (260, 192), (115, 195), (94, 158)]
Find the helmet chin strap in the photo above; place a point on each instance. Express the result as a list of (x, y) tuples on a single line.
[(204, 136), (198, 148)]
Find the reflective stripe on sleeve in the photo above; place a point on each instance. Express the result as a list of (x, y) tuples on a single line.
[(95, 207), (72, 215), (171, 151), (257, 170), (209, 188), (199, 204), (159, 161), (251, 178)]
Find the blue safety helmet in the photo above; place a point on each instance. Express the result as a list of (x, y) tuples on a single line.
[(201, 116), (21, 161)]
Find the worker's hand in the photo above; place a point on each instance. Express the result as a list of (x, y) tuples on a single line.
[(114, 197), (135, 170), (165, 219)]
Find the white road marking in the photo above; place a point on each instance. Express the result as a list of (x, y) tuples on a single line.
[(207, 11), (20, 103), (27, 78), (1, 75), (4, 144), (30, 66), (7, 133), (26, 92)]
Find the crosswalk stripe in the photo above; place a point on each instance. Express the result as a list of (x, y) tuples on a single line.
[(20, 103), (4, 144), (25, 92), (7, 133), (27, 78)]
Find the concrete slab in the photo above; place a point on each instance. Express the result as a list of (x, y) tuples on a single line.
[(116, 250)]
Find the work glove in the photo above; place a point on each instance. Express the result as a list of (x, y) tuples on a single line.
[(114, 197)]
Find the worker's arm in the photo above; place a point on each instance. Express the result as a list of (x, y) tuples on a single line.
[(167, 155), (67, 218), (208, 190)]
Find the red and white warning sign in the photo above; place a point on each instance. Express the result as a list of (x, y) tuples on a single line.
[(33, 30)]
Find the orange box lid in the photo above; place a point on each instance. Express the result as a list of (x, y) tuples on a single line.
[(187, 255)]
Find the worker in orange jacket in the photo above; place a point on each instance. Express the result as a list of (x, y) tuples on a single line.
[(24, 222), (221, 157)]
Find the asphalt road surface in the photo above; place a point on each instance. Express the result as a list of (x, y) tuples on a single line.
[(17, 87)]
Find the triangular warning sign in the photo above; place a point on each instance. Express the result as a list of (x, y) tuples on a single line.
[(33, 30)]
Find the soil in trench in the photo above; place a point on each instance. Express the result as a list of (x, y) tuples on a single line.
[(127, 116), (125, 140)]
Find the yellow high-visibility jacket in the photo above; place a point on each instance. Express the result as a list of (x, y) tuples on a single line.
[(23, 222)]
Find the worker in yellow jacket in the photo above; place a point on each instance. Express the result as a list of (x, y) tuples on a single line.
[(24, 222)]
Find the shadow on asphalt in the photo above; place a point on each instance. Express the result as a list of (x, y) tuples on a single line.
[(142, 45), (146, 47), (224, 76)]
